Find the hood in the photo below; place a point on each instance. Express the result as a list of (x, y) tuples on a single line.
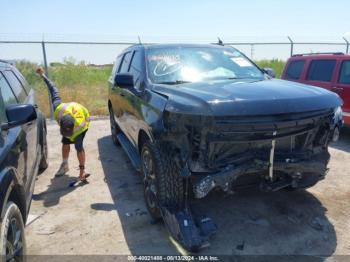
[(237, 98)]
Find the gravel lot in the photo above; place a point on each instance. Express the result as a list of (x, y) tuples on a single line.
[(108, 216)]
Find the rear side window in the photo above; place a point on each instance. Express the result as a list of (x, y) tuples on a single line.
[(344, 76), (321, 70), (16, 86), (294, 69), (126, 62)]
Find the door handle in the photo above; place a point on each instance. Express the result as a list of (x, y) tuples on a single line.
[(122, 94), (337, 89)]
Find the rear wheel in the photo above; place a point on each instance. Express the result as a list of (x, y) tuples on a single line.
[(44, 153), (163, 184), (12, 239), (114, 127)]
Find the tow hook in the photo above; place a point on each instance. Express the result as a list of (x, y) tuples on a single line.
[(272, 155)]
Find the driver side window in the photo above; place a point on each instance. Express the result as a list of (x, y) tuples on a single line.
[(7, 98)]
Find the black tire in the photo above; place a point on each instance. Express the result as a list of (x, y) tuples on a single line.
[(44, 152), (163, 184), (12, 238), (114, 127)]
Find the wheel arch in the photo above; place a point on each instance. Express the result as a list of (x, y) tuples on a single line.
[(142, 138), (12, 190)]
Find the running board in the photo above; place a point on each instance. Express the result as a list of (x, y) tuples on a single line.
[(130, 151)]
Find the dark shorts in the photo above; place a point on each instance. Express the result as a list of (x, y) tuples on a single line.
[(78, 142)]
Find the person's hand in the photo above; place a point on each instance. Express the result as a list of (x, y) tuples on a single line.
[(40, 71)]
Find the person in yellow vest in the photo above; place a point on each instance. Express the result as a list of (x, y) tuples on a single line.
[(74, 120)]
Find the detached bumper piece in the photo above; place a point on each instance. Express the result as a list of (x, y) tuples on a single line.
[(191, 232)]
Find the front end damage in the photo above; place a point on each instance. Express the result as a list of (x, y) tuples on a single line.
[(273, 152)]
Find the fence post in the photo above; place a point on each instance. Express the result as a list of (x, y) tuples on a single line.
[(47, 74), (347, 45), (252, 51), (291, 46)]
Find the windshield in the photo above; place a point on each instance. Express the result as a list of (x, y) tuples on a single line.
[(176, 65)]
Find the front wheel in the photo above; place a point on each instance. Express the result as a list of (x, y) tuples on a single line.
[(163, 185), (12, 239)]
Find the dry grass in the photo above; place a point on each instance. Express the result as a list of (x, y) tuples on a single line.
[(75, 82)]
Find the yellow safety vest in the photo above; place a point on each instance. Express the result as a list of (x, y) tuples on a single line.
[(80, 114)]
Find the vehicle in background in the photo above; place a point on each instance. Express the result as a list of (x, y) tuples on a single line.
[(327, 70), (23, 153)]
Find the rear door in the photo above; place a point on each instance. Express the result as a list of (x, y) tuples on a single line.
[(342, 87), (320, 73)]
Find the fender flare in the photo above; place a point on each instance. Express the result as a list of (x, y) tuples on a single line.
[(8, 183)]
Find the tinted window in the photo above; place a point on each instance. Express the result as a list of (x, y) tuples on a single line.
[(294, 69), (6, 92), (16, 86), (125, 64), (344, 76), (135, 68), (321, 70)]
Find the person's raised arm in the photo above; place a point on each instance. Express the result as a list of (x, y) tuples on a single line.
[(55, 97)]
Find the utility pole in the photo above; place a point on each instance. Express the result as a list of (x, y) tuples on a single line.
[(47, 74)]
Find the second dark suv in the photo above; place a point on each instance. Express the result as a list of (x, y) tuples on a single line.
[(23, 153), (193, 118)]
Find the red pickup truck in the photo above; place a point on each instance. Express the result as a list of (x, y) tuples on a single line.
[(327, 70)]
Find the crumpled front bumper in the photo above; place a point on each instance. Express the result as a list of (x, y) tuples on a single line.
[(295, 174)]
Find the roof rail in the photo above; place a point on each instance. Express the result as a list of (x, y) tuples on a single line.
[(320, 53), (11, 62)]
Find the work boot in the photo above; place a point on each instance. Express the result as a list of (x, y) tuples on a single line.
[(63, 169)]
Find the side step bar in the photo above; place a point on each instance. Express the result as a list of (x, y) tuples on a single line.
[(130, 150)]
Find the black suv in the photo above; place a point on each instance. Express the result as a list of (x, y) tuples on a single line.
[(193, 118), (23, 152)]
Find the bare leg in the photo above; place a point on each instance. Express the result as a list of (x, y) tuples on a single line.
[(81, 158), (64, 165), (65, 152)]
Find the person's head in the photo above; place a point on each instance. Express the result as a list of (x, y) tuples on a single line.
[(67, 125)]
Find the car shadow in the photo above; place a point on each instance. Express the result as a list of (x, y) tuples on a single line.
[(344, 140), (59, 187), (249, 222)]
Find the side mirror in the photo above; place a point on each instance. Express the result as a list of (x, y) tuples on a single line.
[(270, 72), (124, 80), (18, 115)]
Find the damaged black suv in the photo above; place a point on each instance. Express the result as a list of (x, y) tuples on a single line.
[(193, 118)]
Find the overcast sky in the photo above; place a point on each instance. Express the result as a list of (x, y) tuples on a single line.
[(168, 21)]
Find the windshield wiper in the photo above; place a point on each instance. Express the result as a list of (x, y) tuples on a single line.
[(177, 82)]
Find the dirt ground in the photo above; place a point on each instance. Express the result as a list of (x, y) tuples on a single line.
[(108, 216)]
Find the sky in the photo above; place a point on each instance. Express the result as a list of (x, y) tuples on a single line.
[(168, 21)]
